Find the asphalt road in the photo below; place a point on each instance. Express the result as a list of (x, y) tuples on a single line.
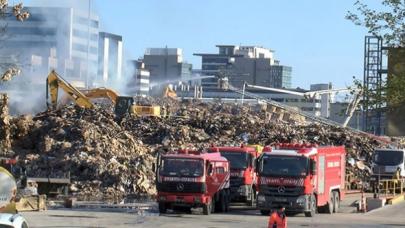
[(390, 216)]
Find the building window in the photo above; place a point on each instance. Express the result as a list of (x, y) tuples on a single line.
[(214, 60), (79, 47), (84, 21), (32, 31), (308, 109), (278, 99)]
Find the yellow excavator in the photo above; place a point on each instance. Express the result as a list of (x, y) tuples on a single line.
[(169, 93), (123, 104)]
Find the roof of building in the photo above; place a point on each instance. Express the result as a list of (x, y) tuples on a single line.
[(216, 55)]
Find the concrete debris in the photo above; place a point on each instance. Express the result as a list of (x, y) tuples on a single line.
[(3, 4), (110, 159), (104, 160), (5, 142)]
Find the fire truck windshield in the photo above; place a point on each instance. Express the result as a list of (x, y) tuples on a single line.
[(284, 166), (237, 160), (389, 157), (182, 167)]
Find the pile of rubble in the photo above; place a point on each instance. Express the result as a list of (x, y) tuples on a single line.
[(109, 158), (5, 142), (201, 125), (103, 160)]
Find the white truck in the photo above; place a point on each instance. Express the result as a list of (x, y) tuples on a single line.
[(386, 162), (385, 165)]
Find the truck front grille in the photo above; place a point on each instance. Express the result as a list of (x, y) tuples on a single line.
[(184, 187), (236, 181), (282, 190)]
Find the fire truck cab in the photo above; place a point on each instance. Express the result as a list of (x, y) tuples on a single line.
[(190, 179), (301, 177), (243, 176)]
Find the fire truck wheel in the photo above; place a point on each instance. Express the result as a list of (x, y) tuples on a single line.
[(207, 208), (329, 205), (227, 200), (336, 202), (312, 205), (162, 208), (222, 202)]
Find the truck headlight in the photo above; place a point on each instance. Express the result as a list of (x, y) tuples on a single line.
[(261, 198), (302, 200)]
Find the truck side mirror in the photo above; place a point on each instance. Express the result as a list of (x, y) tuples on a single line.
[(312, 166)]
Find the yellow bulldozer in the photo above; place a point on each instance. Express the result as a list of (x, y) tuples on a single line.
[(122, 104)]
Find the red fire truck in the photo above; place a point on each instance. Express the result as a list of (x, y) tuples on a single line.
[(301, 177), (191, 179), (243, 176)]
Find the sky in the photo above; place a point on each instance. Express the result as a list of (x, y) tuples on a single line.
[(312, 36)]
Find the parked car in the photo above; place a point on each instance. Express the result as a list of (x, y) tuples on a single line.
[(12, 221)]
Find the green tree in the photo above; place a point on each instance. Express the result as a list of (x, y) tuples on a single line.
[(9, 70), (389, 22)]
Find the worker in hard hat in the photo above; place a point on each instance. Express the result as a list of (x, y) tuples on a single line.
[(278, 219)]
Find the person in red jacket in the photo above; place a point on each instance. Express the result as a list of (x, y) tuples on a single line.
[(278, 219)]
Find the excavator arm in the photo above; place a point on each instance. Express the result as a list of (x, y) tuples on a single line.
[(169, 92), (54, 82), (102, 93)]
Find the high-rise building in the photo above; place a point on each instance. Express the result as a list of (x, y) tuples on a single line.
[(139, 83), (326, 98), (166, 65), (58, 38), (251, 64), (109, 59)]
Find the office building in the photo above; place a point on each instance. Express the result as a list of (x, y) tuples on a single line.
[(140, 81), (251, 64), (326, 98), (166, 66), (58, 38), (109, 59)]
